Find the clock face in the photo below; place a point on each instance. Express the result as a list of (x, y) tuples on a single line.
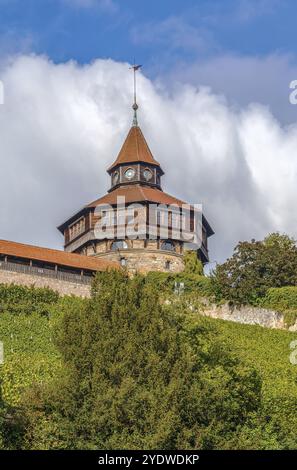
[(130, 173), (147, 175), (116, 177)]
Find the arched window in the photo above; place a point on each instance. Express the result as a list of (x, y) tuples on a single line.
[(119, 245), (168, 245)]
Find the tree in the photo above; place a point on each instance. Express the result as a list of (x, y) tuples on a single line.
[(139, 375), (256, 266), (193, 265)]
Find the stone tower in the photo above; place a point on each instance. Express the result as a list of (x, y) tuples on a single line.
[(136, 223)]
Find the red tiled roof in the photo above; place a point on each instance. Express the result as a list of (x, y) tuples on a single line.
[(58, 257), (137, 193), (134, 193), (134, 149)]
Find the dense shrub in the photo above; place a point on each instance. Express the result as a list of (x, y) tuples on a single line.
[(215, 396), (26, 300), (194, 283), (268, 350), (138, 376), (284, 300), (193, 265), (11, 293)]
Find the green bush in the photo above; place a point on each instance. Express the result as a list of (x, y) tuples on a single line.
[(281, 298), (193, 265), (26, 300), (138, 376), (284, 300), (223, 392), (194, 283)]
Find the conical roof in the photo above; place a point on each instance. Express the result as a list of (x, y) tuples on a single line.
[(135, 149)]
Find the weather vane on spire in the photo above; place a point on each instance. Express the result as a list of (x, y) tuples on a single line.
[(135, 105)]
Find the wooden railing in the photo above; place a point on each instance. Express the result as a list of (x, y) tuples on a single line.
[(45, 272)]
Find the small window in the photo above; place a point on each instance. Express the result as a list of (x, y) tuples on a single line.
[(77, 228), (168, 245), (167, 265), (119, 245), (123, 262)]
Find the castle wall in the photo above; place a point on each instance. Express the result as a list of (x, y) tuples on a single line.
[(247, 315), (146, 260), (63, 287)]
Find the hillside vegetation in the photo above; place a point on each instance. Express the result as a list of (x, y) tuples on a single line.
[(39, 344)]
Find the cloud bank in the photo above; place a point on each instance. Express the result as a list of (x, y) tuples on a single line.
[(62, 125)]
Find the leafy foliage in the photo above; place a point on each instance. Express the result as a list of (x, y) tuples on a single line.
[(138, 376), (274, 425), (192, 264), (26, 300), (123, 370), (198, 285), (255, 267)]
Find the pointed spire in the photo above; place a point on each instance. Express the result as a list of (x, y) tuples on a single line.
[(135, 122), (135, 105), (134, 150)]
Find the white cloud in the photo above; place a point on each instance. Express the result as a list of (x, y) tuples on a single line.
[(62, 125), (244, 80)]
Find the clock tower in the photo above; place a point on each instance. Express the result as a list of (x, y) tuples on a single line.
[(136, 180)]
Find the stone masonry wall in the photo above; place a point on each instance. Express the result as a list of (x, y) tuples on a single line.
[(249, 315), (144, 261), (63, 287)]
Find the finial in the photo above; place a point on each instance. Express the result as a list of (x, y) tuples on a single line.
[(135, 105)]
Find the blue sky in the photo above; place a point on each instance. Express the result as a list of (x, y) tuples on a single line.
[(157, 33), (243, 49)]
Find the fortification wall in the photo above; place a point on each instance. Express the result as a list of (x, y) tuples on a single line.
[(144, 261), (63, 287), (249, 315), (245, 315)]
